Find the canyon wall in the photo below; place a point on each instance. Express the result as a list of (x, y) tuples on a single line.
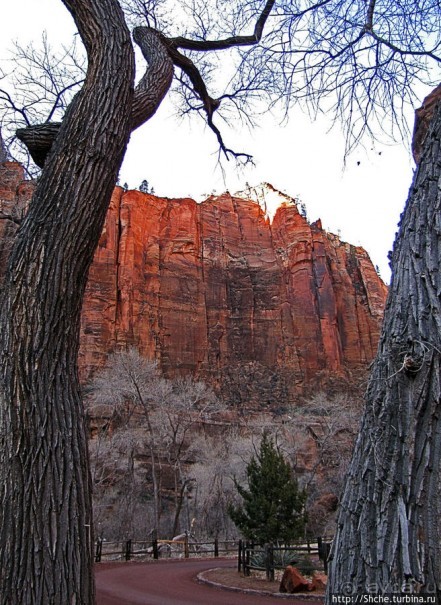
[(213, 286), (218, 288)]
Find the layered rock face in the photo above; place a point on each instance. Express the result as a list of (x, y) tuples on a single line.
[(217, 287), (208, 287), (15, 193)]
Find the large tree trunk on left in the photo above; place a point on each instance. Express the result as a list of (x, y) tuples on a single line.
[(45, 525)]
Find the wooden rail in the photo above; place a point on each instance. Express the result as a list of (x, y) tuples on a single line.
[(126, 550), (247, 551)]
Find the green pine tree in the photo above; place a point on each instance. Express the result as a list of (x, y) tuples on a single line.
[(273, 508), (144, 187)]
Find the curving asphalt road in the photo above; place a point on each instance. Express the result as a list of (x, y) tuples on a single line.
[(171, 583)]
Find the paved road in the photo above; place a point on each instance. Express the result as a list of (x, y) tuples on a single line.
[(171, 583)]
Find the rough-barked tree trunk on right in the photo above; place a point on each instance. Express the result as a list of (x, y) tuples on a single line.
[(389, 526)]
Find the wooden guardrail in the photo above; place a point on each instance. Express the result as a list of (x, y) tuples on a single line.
[(126, 550), (264, 558)]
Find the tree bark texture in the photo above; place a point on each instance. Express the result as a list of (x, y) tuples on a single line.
[(149, 94), (46, 524), (388, 532)]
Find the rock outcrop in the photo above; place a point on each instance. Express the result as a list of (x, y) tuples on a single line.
[(210, 286), (3, 153), (293, 581), (218, 289), (15, 193)]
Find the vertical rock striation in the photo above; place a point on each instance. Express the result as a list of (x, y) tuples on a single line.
[(217, 287), (206, 287)]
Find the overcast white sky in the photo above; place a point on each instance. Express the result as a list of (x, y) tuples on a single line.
[(362, 202)]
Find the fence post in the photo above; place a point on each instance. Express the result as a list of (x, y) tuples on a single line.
[(272, 561), (186, 551), (216, 547), (155, 544), (269, 562), (327, 550), (128, 550), (239, 557), (246, 563), (320, 547), (99, 550), (324, 548)]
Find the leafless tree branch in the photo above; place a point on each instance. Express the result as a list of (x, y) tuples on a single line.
[(356, 62), (232, 41)]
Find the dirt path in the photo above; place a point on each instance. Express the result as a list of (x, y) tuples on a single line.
[(171, 583)]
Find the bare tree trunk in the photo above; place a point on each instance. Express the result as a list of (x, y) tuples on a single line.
[(45, 526), (388, 534), (156, 482), (179, 502), (155, 465)]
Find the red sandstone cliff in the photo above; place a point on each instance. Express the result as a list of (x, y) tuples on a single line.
[(215, 286), (202, 287)]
